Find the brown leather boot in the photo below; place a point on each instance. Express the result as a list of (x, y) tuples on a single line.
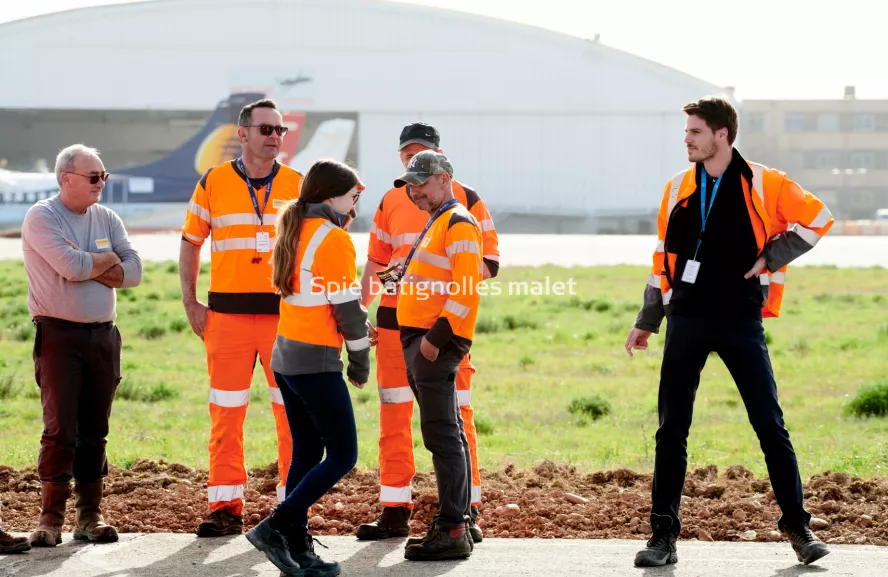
[(10, 544), (90, 526), (52, 516)]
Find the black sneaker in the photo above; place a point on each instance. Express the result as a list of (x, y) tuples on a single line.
[(441, 544), (393, 522), (660, 548), (221, 523), (301, 546), (807, 546)]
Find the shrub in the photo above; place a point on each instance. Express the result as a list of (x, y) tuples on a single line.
[(8, 388), (487, 325), (23, 333), (594, 406), (484, 426), (870, 401), (513, 323), (130, 390), (178, 325), (151, 332)]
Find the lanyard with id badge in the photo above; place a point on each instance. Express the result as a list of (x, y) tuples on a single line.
[(692, 268), (390, 276), (263, 240)]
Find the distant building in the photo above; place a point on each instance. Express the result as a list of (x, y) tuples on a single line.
[(557, 133), (837, 149)]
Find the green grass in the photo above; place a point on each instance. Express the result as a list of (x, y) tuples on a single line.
[(534, 355)]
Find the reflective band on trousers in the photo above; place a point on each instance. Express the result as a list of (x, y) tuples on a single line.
[(229, 399), (281, 494), (395, 396), (395, 494), (476, 494), (275, 394), (222, 493), (464, 398)]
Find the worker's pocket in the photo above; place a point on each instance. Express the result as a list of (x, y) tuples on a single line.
[(38, 339)]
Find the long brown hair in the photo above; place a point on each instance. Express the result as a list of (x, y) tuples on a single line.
[(325, 179)]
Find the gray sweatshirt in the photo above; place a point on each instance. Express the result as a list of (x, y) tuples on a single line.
[(59, 282)]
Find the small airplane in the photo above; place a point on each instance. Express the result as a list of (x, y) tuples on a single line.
[(154, 196), (294, 81)]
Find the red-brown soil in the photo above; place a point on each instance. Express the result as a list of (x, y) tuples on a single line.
[(160, 497)]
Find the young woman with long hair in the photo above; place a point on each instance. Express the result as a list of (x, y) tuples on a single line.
[(313, 268)]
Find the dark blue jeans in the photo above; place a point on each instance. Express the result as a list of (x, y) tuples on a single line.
[(319, 411), (741, 345)]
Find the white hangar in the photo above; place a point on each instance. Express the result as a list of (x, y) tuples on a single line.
[(552, 130)]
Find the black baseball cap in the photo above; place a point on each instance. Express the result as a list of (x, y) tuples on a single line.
[(420, 133)]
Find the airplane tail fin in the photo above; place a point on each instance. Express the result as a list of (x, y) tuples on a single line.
[(331, 139), (172, 178)]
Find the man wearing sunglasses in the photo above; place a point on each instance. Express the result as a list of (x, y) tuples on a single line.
[(76, 253), (238, 202)]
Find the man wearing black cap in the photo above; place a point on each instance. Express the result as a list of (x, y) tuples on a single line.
[(396, 224)]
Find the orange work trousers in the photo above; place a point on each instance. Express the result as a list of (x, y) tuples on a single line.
[(396, 465), (233, 341)]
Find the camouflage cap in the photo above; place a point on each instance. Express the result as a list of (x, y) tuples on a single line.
[(423, 166)]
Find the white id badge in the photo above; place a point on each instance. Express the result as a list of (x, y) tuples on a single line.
[(263, 242), (692, 268)]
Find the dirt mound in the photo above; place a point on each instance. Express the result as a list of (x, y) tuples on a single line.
[(549, 501)]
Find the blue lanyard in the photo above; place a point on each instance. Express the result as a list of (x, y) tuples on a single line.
[(260, 214), (704, 212), (444, 208)]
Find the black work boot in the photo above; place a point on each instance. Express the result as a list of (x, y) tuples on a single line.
[(301, 546), (807, 546), (441, 544), (431, 531), (393, 522), (474, 529), (660, 548), (270, 537), (221, 523), (10, 544)]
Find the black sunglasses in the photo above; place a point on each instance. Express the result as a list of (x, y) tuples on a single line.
[(93, 178), (267, 129)]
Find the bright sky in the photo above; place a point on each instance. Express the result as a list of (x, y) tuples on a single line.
[(764, 48)]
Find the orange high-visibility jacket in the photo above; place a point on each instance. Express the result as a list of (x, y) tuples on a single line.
[(439, 291), (325, 307), (398, 222), (786, 219), (221, 205)]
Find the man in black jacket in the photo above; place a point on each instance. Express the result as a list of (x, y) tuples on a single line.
[(723, 241)]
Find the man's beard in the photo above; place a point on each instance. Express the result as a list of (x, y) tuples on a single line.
[(702, 155)]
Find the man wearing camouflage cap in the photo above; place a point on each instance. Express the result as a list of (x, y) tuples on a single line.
[(396, 224), (437, 308)]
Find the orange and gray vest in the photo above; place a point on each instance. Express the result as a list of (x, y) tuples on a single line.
[(325, 308)]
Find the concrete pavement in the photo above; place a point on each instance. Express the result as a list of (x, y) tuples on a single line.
[(165, 555)]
